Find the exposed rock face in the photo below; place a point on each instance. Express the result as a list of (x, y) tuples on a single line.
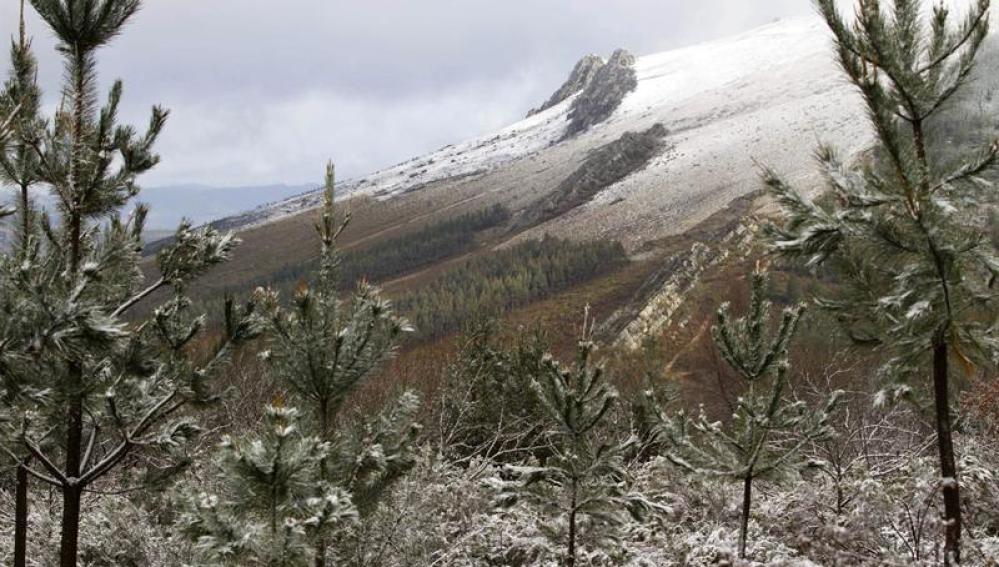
[(659, 303), (580, 78), (611, 83), (604, 167)]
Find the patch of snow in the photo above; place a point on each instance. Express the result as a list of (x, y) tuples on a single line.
[(682, 74)]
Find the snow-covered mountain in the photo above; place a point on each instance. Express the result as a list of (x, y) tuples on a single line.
[(661, 153), (765, 96)]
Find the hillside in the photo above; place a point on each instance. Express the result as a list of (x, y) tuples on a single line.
[(668, 166), (760, 96)]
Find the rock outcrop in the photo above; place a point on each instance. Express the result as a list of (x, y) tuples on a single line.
[(604, 93), (581, 76), (604, 167)]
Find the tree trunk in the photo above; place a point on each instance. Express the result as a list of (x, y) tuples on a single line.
[(948, 464), (747, 499), (69, 544), (72, 492), (21, 516), (25, 215), (323, 474), (570, 559)]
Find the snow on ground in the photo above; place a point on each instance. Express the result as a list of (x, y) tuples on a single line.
[(681, 74)]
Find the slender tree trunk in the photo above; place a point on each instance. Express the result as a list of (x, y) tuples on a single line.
[(21, 516), (22, 159), (25, 218), (69, 541), (747, 500), (948, 464), (570, 559), (21, 488), (320, 553), (71, 492), (324, 433)]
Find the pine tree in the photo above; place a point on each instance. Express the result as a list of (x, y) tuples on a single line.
[(322, 349), (583, 485), (272, 506), (904, 234), (767, 431), (20, 99), (103, 391)]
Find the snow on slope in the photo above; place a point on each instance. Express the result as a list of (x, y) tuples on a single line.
[(766, 96), (770, 95), (687, 72)]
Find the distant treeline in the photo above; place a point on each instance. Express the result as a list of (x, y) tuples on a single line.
[(398, 256), (491, 284)]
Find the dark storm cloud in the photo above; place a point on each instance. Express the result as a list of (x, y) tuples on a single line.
[(264, 90)]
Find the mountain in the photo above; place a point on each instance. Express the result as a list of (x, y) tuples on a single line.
[(763, 96), (661, 153)]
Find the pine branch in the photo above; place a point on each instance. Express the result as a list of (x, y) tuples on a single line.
[(132, 301)]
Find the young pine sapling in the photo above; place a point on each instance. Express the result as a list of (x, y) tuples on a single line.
[(767, 431)]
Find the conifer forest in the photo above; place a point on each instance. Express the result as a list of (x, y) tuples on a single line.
[(733, 303)]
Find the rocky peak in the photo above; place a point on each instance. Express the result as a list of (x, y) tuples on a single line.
[(580, 78), (604, 93)]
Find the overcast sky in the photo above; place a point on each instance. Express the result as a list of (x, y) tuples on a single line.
[(263, 91)]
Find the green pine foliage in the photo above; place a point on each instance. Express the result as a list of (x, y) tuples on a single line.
[(581, 489), (19, 104), (768, 431), (906, 234), (436, 242), (271, 506), (20, 128), (489, 285), (94, 391), (371, 453), (322, 349)]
